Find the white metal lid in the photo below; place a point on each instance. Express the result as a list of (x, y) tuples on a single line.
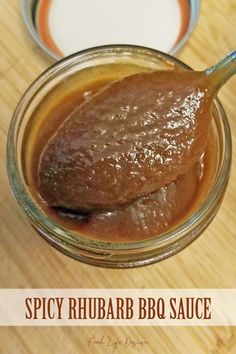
[(67, 26)]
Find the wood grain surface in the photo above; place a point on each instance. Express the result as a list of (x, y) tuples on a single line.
[(27, 261)]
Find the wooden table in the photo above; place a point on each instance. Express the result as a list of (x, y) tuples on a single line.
[(27, 261)]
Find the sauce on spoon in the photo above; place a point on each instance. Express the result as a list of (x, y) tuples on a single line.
[(145, 216), (129, 139)]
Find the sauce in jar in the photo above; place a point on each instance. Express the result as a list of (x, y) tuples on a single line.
[(144, 217)]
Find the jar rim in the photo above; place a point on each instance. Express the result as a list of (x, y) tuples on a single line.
[(35, 213)]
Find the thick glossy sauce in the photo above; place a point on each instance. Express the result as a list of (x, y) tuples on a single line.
[(145, 217)]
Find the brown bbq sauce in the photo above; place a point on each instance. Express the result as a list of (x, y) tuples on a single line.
[(145, 217), (127, 140)]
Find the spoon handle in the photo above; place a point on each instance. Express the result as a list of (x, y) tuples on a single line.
[(223, 70)]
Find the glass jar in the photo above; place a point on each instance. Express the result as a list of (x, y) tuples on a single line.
[(109, 254)]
